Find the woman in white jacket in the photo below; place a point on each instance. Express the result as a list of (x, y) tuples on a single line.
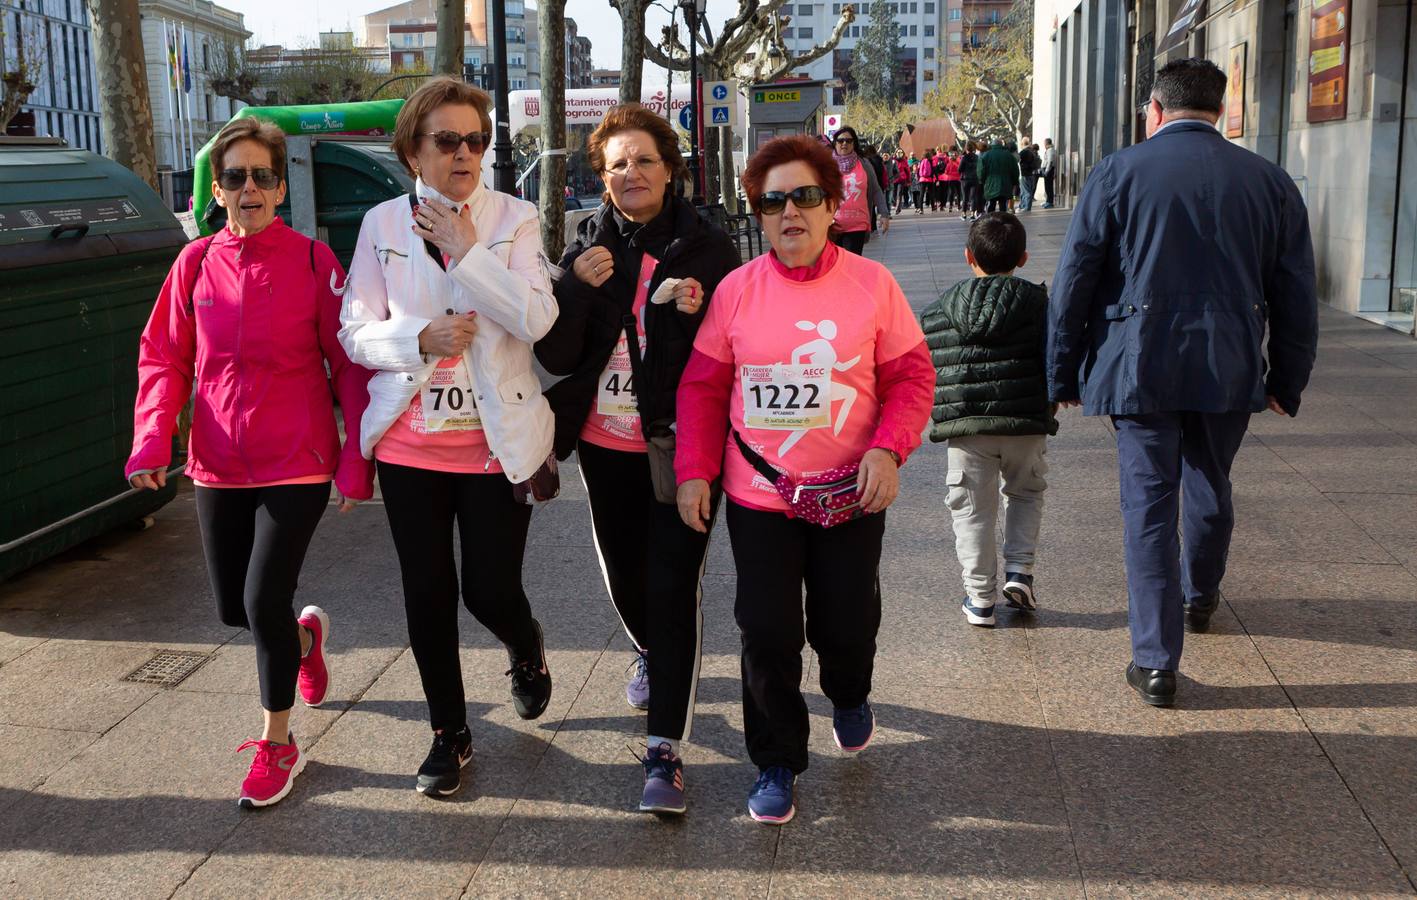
[(447, 292)]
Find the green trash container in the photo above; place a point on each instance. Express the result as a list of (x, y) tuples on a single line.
[(327, 201), (84, 248)]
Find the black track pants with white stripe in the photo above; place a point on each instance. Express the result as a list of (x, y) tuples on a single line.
[(653, 565)]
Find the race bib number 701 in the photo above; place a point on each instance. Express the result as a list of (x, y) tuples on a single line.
[(449, 403), (786, 397)]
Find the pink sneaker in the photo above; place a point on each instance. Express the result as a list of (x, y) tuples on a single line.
[(314, 678), (272, 772)]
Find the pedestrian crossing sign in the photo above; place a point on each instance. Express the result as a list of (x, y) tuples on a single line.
[(720, 115)]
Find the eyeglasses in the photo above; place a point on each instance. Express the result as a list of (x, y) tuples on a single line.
[(235, 179), (448, 141), (846, 140), (808, 196), (621, 167)]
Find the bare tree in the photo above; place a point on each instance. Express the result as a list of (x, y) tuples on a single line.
[(20, 74), (632, 55), (447, 55), (989, 92), (232, 74), (126, 111), (551, 22)]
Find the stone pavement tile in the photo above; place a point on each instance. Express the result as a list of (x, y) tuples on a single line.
[(1275, 517), (957, 795), (73, 685), (1373, 749), (21, 630), (29, 755), (1147, 887), (576, 830), (1233, 797), (1391, 520)]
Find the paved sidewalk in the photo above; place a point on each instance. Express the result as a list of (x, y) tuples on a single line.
[(1009, 762)]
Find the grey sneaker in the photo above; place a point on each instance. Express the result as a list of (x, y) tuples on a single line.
[(978, 615), (637, 688), (1018, 591)]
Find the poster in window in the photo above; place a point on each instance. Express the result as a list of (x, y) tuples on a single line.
[(1329, 27), (1235, 93)]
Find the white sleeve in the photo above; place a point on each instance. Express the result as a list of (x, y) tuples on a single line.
[(370, 337), (517, 295)]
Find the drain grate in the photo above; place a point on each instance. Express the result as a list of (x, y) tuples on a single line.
[(167, 667)]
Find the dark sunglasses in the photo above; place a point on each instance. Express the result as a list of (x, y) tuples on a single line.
[(235, 179), (809, 196), (447, 141), (846, 140)]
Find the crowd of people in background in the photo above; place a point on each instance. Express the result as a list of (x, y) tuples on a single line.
[(975, 177)]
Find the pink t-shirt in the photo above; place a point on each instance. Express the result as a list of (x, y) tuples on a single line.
[(854, 214), (614, 420), (804, 357), (408, 442)]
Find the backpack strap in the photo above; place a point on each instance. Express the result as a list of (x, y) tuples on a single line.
[(197, 273)]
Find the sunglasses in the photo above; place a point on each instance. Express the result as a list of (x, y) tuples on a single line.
[(846, 140), (235, 179), (448, 141), (809, 196)]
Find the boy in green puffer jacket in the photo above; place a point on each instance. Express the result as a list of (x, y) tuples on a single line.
[(987, 337)]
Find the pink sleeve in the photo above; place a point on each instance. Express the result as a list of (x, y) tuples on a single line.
[(354, 475), (166, 359), (702, 429), (906, 388)]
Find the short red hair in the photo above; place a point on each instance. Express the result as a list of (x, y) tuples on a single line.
[(784, 150)]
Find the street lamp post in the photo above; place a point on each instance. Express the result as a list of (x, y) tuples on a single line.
[(504, 171), (692, 10)]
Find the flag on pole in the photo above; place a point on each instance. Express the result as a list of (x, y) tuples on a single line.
[(186, 64), (169, 36), (171, 116)]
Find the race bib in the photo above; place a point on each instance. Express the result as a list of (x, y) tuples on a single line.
[(784, 397), (449, 403), (615, 395)]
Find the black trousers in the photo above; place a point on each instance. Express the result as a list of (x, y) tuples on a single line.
[(255, 540), (997, 204), (952, 193), (422, 506), (775, 557), (855, 241), (654, 566), (1048, 187), (973, 197)]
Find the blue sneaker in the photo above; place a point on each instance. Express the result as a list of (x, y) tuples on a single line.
[(978, 615), (1018, 591), (664, 782), (853, 728), (770, 801), (637, 688)]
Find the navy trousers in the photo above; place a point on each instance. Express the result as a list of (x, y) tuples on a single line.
[(1172, 464)]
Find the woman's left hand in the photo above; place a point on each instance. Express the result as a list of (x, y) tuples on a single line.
[(878, 480), (345, 503), (689, 296), (445, 229)]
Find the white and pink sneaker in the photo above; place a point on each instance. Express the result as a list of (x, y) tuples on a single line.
[(272, 772), (314, 681)]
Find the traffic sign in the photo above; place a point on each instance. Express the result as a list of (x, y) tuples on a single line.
[(720, 115), (831, 123), (686, 118), (719, 91)]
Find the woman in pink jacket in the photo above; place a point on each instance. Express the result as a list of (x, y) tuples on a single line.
[(251, 316), (808, 365)]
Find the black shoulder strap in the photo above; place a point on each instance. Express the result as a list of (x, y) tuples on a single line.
[(637, 364), (433, 252), (754, 460), (197, 273), (312, 254)]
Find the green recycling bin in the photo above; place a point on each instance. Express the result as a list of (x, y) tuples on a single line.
[(84, 248)]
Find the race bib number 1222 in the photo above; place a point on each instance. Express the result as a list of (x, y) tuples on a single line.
[(786, 397)]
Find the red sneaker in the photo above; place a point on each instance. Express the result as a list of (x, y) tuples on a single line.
[(272, 772), (314, 678)]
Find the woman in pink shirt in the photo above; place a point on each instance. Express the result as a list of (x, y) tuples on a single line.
[(809, 359), (250, 316)]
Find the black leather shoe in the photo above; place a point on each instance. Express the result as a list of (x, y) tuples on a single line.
[(1156, 686), (1198, 613)]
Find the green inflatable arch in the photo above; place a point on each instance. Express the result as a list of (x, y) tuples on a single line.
[(373, 117)]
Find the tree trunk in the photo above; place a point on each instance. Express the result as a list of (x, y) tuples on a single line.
[(126, 111), (708, 159), (448, 55), (551, 22), (632, 22), (725, 168)]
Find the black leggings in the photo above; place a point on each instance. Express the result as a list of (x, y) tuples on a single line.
[(646, 551), (855, 241), (775, 557), (255, 541), (998, 204), (973, 197), (422, 506)]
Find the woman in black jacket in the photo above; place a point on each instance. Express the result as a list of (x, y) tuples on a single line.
[(645, 262)]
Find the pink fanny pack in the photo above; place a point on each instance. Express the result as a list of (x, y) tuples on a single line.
[(830, 499)]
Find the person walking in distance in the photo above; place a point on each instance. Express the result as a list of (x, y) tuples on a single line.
[(861, 196), (1164, 331), (1048, 168), (1028, 164)]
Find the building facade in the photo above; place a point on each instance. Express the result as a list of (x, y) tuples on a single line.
[(921, 35), (410, 32), (185, 118), (1326, 90), (578, 64), (64, 103)]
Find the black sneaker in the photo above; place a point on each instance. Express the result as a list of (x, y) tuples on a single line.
[(441, 773), (531, 680)]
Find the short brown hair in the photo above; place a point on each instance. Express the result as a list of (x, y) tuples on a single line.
[(249, 128), (635, 117), (436, 92), (783, 150)]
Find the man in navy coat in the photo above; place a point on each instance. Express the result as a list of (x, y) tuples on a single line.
[(1181, 251)]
